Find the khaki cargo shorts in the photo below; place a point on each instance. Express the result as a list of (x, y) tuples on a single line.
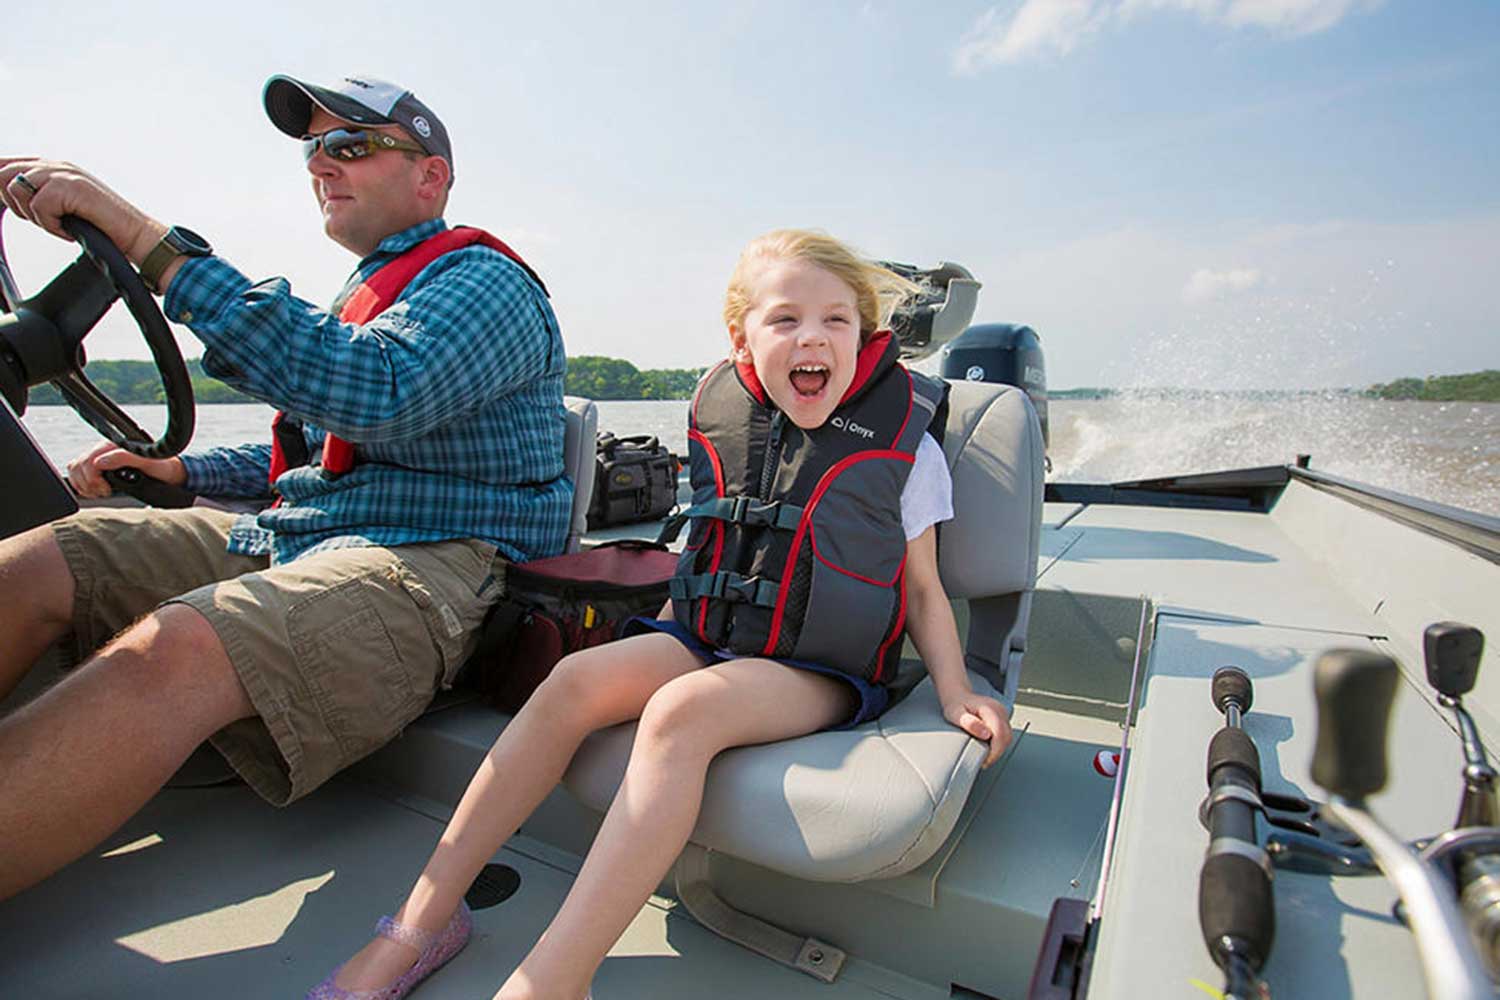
[(338, 650)]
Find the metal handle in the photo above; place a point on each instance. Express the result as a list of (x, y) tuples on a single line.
[(1355, 690)]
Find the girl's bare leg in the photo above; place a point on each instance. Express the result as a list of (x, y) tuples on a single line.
[(588, 690), (684, 725)]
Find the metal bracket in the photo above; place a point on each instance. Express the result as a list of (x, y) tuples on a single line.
[(818, 959)]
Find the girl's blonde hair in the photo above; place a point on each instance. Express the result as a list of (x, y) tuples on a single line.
[(877, 291)]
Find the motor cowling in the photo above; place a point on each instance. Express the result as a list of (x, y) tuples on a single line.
[(1008, 353)]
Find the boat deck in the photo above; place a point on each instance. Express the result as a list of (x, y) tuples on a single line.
[(1267, 594), (209, 891)]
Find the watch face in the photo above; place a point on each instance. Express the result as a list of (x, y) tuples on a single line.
[(188, 242)]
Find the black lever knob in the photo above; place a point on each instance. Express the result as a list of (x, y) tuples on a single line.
[(1452, 651), (148, 489), (1355, 689)]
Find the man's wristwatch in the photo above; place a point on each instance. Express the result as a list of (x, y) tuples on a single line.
[(178, 242)]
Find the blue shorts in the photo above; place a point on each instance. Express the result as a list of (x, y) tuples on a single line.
[(870, 699)]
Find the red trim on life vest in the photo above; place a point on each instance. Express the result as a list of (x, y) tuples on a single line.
[(813, 535), (869, 356), (897, 630), (718, 526), (804, 527), (375, 295), (751, 381)]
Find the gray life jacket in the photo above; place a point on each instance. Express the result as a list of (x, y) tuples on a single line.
[(796, 548)]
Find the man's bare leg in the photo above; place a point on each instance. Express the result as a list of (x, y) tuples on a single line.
[(86, 755), (36, 601)]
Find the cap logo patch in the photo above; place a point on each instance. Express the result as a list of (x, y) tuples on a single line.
[(421, 125), (377, 95)]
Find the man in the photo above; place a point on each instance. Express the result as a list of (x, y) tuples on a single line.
[(302, 638)]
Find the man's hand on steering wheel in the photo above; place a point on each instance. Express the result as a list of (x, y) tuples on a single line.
[(43, 191), (86, 472), (114, 235)]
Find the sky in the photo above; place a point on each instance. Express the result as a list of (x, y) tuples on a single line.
[(1198, 193)]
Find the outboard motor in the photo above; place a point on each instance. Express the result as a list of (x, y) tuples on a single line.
[(1000, 352), (940, 312)]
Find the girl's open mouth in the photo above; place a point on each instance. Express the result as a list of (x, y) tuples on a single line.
[(809, 380)]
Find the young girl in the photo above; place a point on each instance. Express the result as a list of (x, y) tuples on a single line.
[(786, 616)]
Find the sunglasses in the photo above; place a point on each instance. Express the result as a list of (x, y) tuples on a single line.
[(348, 145)]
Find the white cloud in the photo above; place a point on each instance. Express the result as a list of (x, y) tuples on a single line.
[(1205, 9), (1295, 17), (1206, 284), (1038, 27)]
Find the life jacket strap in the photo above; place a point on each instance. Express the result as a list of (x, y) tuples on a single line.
[(725, 586), (737, 510)]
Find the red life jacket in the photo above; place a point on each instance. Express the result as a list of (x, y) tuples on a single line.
[(374, 296)]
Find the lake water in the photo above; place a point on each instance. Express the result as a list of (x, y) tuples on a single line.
[(1448, 452)]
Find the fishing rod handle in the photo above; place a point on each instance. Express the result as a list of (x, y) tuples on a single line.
[(1232, 685), (1236, 911), (1232, 753)]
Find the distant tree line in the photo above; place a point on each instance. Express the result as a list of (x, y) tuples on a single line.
[(1087, 392), (137, 382), (1475, 387), (612, 378)]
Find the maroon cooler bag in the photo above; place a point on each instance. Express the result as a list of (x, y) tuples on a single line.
[(551, 607)]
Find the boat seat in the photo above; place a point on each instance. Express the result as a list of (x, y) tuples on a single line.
[(579, 462), (878, 800)]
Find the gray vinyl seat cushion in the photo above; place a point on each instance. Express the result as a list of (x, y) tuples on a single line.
[(579, 436), (877, 800)]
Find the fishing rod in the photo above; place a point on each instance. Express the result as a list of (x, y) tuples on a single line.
[(1235, 906)]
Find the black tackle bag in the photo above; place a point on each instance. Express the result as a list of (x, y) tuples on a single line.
[(635, 479)]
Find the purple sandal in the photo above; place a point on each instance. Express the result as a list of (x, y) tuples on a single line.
[(435, 947)]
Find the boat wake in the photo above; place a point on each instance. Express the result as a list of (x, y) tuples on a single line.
[(1447, 452)]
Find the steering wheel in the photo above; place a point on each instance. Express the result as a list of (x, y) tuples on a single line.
[(43, 342)]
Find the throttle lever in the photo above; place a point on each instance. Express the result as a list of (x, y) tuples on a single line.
[(148, 489), (1452, 652), (1355, 690)]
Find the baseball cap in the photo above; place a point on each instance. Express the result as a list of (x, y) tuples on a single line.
[(363, 100)]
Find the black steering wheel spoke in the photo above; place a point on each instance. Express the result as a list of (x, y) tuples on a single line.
[(42, 338), (101, 412)]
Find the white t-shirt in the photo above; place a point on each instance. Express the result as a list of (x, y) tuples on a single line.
[(928, 495)]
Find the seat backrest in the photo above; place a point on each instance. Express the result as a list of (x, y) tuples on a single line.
[(578, 461), (879, 799), (988, 553)]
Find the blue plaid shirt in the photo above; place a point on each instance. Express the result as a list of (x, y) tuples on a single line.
[(453, 397)]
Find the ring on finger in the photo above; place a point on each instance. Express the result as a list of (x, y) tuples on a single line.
[(25, 182)]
